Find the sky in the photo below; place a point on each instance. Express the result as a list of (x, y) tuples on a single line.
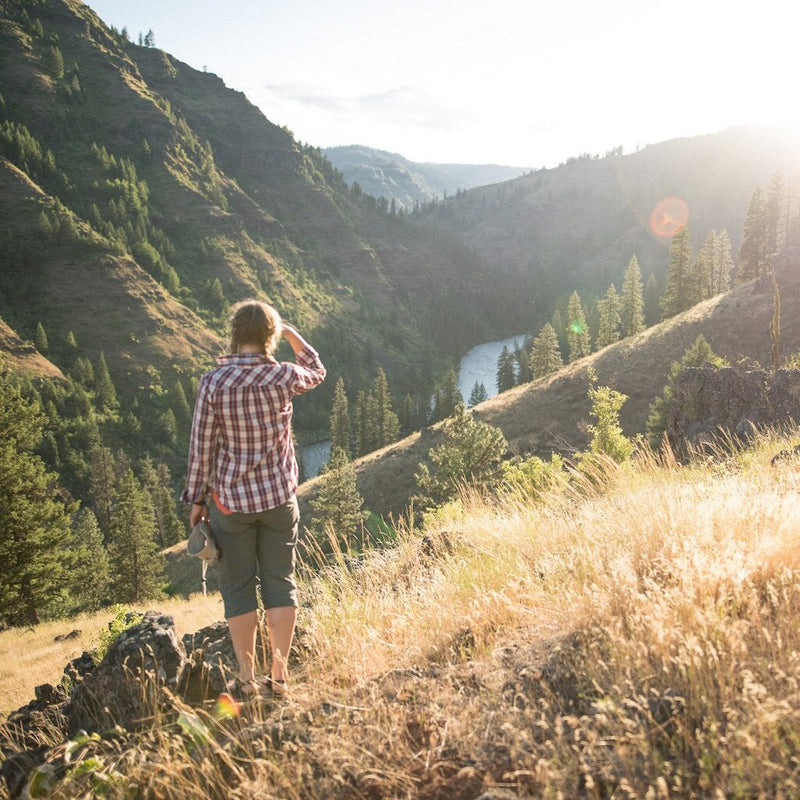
[(523, 83)]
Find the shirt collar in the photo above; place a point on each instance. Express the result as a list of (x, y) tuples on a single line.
[(243, 360)]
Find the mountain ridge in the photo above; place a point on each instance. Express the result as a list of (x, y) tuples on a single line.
[(407, 183)]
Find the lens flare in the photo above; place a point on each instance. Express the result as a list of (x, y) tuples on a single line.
[(669, 216), (226, 707), (577, 326)]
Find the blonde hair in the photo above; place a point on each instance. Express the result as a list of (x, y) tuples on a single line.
[(257, 324)]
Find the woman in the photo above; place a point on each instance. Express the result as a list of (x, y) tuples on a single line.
[(243, 475)]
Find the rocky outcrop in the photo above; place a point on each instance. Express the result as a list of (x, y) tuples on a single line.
[(143, 669), (711, 404)]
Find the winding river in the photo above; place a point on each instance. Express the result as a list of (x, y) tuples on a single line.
[(479, 365)]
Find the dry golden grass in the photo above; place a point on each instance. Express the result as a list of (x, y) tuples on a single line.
[(632, 636)]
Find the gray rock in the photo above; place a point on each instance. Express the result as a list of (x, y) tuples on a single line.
[(712, 404), (125, 687)]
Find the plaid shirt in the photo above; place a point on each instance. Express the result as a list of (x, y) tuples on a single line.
[(241, 444)]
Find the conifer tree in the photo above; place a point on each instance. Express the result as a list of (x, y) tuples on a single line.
[(478, 394), (606, 432), (722, 264), (90, 576), (102, 482), (774, 220), (447, 396), (703, 270), (105, 392), (470, 455), (387, 424), (545, 353), (522, 356), (578, 340), (338, 507), (40, 338), (610, 319), (33, 522), (137, 567), (632, 303), (753, 250), (180, 406), (506, 377), (157, 481), (678, 292), (340, 420)]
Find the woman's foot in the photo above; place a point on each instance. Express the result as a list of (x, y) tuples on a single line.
[(243, 689), (278, 686)]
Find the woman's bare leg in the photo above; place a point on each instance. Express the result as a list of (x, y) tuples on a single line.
[(243, 635), (280, 622)]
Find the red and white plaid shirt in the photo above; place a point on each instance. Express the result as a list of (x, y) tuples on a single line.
[(241, 444)]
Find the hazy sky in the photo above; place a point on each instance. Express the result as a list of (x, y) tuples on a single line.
[(519, 82)]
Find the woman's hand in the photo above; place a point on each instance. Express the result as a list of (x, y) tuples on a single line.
[(199, 512)]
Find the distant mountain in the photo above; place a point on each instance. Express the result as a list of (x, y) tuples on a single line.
[(408, 183)]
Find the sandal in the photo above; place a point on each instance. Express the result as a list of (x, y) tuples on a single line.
[(278, 686), (243, 690)]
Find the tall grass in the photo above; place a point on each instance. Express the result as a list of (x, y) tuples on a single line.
[(631, 635)]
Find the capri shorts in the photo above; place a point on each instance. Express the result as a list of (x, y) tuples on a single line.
[(252, 545)]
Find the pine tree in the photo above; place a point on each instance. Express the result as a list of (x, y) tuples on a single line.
[(677, 295), (478, 394), (105, 393), (545, 353), (470, 455), (722, 264), (387, 424), (522, 357), (753, 250), (506, 377), (180, 406), (338, 506), (774, 221), (102, 481), (40, 338), (610, 320), (90, 576), (157, 481), (578, 340), (606, 432), (137, 567), (34, 523), (632, 303), (447, 396), (340, 420), (703, 271)]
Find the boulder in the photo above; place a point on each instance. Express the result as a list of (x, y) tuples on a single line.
[(125, 687)]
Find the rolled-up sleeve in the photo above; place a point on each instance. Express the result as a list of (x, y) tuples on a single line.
[(309, 371), (201, 446)]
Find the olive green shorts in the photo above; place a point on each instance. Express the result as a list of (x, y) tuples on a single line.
[(256, 546)]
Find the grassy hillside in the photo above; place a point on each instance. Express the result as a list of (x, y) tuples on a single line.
[(632, 637), (551, 414)]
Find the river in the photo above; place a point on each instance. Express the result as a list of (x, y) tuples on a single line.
[(479, 365)]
